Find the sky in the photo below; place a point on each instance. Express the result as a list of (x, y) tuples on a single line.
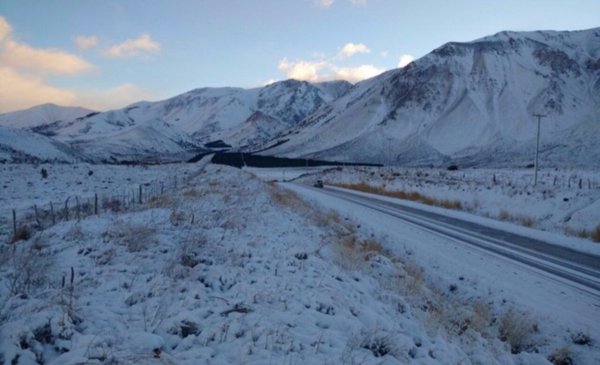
[(104, 54)]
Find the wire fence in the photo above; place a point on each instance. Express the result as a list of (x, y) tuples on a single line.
[(25, 220)]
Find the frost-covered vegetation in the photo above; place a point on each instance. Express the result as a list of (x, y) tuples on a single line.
[(231, 269)]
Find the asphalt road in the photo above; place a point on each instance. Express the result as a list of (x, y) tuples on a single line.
[(575, 268)]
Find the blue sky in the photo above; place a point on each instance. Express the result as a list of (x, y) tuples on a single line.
[(108, 53)]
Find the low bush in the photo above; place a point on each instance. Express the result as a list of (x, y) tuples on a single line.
[(516, 330), (22, 234), (562, 356)]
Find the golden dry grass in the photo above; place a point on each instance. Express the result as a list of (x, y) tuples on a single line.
[(399, 194), (596, 234)]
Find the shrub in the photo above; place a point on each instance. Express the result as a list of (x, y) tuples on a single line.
[(562, 356), (527, 221), (504, 215), (29, 268), (596, 234), (581, 338), (516, 330), (22, 234)]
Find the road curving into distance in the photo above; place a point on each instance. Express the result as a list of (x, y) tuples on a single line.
[(580, 270)]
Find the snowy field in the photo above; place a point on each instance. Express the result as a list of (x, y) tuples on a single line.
[(563, 201), (22, 185), (226, 268)]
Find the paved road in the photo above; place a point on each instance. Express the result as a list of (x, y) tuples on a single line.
[(578, 269)]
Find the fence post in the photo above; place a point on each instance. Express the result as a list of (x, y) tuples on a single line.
[(78, 209), (52, 213), (140, 195), (67, 209), (14, 212), (37, 216)]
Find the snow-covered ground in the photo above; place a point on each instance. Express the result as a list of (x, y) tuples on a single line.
[(229, 269), (22, 185), (563, 201)]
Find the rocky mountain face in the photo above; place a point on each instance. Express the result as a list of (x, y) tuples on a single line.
[(471, 103), (466, 103)]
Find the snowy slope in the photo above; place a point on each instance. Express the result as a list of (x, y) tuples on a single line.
[(194, 278), (237, 116), (41, 115), (17, 145), (470, 102)]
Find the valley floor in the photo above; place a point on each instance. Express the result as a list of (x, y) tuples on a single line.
[(222, 267)]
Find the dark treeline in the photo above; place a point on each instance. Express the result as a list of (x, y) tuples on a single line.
[(239, 159)]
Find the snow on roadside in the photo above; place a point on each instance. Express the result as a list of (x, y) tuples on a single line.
[(230, 270), (563, 201), (561, 312)]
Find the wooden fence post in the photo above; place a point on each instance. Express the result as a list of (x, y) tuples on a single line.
[(37, 216), (95, 203), (67, 209), (14, 212), (78, 208), (140, 195), (52, 213)]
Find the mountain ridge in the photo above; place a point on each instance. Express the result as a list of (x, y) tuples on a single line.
[(470, 102)]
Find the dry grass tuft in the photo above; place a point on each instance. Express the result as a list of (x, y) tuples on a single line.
[(562, 356), (192, 193), (526, 221), (23, 233), (596, 234), (516, 330), (504, 215), (160, 201), (133, 236), (399, 194), (593, 235)]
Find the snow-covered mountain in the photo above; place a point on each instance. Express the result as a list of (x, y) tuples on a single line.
[(19, 146), (471, 103), (41, 115), (240, 117)]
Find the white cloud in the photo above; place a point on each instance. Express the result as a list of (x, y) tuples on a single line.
[(133, 47), (324, 3), (24, 69), (21, 91), (350, 49), (302, 70), (5, 29), (21, 56), (405, 59), (48, 61), (358, 2), (317, 71), (355, 74), (85, 42)]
